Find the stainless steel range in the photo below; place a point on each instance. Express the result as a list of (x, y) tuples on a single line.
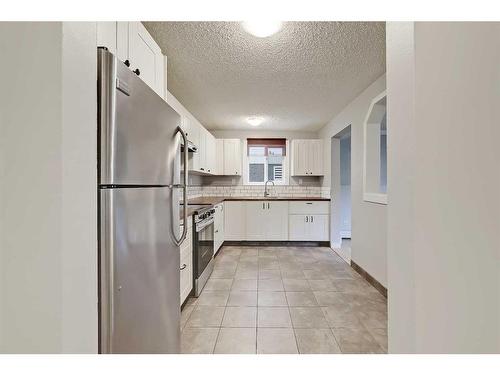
[(203, 246)]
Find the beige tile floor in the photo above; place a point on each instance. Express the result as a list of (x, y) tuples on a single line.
[(273, 300)]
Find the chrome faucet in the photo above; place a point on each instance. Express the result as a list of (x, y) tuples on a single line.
[(266, 193)]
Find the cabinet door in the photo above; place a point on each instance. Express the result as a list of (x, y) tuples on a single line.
[(210, 153), (197, 136), (297, 227), (300, 157), (315, 157), (186, 267), (202, 150), (318, 228), (122, 41), (234, 220), (193, 132), (218, 227), (219, 156), (276, 221), (106, 36), (145, 55), (232, 157), (256, 220)]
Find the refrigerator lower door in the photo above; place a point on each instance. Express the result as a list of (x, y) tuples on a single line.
[(139, 271)]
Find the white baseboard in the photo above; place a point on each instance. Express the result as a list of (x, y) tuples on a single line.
[(345, 233)]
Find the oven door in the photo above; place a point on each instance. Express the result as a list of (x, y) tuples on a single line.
[(204, 246)]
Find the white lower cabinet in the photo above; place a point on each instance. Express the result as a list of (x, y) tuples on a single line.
[(273, 220), (266, 221), (186, 263), (218, 227), (234, 220), (309, 227)]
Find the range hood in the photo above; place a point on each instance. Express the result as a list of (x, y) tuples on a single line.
[(191, 147)]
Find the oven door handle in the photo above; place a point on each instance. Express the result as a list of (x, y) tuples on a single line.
[(201, 226)]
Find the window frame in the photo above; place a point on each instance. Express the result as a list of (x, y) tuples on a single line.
[(246, 165)]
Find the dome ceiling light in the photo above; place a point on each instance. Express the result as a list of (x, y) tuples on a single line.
[(262, 28)]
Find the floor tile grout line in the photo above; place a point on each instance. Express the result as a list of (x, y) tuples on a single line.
[(220, 325), (291, 323)]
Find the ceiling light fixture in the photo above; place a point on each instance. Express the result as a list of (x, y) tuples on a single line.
[(262, 28), (255, 121)]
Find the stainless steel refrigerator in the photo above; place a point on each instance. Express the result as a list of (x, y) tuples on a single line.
[(139, 174)]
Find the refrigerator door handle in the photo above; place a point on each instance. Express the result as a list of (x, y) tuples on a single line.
[(184, 193), (107, 278)]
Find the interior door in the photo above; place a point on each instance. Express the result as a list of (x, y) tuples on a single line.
[(139, 263)]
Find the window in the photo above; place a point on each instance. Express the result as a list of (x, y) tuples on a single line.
[(266, 160)]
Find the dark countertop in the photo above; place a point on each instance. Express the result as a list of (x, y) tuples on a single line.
[(216, 200)]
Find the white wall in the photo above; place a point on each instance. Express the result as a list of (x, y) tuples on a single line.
[(444, 226), (401, 161), (368, 224), (48, 221)]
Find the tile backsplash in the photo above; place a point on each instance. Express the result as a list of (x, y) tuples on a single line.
[(258, 191)]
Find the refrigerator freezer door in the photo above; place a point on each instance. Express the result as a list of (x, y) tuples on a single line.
[(139, 268), (137, 129)]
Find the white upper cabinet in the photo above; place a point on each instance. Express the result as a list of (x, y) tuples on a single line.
[(132, 44), (219, 156), (210, 153), (232, 157), (106, 36), (204, 160), (307, 157), (145, 57)]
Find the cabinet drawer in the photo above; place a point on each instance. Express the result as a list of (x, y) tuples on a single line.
[(186, 273), (309, 207)]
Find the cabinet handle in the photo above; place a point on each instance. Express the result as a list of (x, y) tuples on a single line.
[(268, 206), (308, 202), (312, 219), (217, 231), (202, 169), (263, 206), (209, 170), (183, 266), (127, 63), (137, 71), (307, 219)]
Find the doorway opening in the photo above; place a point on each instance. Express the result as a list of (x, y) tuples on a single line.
[(341, 193)]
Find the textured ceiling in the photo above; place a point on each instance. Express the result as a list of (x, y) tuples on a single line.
[(297, 79)]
